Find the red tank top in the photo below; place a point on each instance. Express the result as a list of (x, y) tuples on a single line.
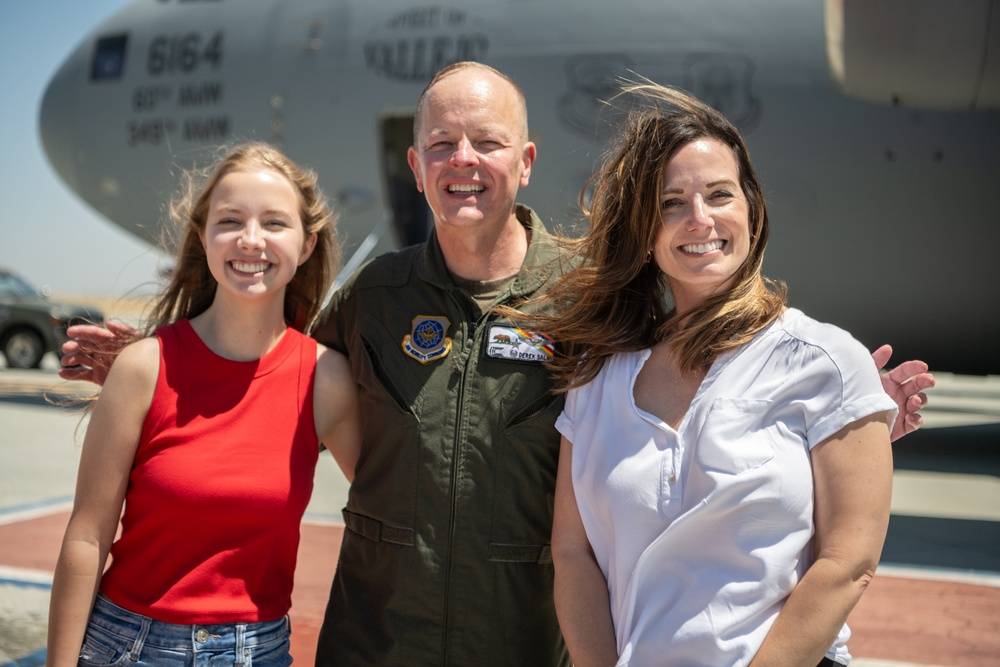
[(221, 479)]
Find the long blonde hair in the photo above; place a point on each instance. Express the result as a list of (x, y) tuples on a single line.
[(614, 300), (191, 287)]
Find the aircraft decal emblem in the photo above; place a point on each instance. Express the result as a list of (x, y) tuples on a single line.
[(725, 82), (590, 80), (516, 344), (415, 43), (426, 341)]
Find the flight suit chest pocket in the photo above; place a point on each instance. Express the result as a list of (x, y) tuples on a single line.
[(385, 370), (384, 490), (734, 439), (527, 454)]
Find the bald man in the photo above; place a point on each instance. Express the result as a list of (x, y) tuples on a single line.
[(446, 559)]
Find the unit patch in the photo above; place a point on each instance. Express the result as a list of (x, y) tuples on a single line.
[(507, 342), (426, 340)]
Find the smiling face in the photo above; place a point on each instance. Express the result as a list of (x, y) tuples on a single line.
[(254, 238), (704, 235), (471, 152)]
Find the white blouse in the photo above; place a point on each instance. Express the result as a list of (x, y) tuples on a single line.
[(703, 532)]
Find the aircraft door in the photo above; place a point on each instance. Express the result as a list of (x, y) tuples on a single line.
[(411, 219)]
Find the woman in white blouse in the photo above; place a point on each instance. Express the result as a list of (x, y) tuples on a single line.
[(725, 474)]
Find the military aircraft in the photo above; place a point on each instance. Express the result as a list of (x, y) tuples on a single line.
[(873, 125)]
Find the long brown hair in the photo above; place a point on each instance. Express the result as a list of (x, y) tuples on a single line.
[(191, 288), (614, 300)]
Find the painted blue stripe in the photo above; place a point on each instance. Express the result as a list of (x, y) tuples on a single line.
[(51, 502), (44, 585), (36, 659)]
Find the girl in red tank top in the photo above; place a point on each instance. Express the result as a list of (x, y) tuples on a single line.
[(206, 432)]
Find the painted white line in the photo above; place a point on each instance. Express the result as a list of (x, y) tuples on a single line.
[(25, 575), (977, 578), (946, 495), (962, 400), (35, 511), (322, 519), (875, 662)]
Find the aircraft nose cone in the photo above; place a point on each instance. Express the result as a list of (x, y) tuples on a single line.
[(57, 119)]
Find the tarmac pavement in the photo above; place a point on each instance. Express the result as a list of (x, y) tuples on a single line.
[(935, 601)]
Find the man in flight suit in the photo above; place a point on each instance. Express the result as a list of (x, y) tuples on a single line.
[(445, 559)]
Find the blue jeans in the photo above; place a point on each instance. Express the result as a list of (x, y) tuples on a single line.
[(116, 636)]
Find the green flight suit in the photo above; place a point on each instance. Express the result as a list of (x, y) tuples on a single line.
[(446, 557)]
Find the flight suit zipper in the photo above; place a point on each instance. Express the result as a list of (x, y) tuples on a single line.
[(457, 449)]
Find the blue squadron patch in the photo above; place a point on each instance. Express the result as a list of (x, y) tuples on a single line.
[(426, 341)]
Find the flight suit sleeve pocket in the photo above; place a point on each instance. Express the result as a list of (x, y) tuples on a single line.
[(734, 440)]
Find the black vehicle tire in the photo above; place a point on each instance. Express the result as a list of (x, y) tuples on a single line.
[(23, 348)]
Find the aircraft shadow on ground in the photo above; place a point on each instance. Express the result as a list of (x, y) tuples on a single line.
[(966, 544), (961, 544), (967, 450)]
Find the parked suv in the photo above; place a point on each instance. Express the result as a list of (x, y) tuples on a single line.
[(31, 325)]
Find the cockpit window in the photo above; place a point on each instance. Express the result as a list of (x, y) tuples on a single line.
[(109, 58)]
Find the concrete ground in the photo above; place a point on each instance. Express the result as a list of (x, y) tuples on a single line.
[(935, 601)]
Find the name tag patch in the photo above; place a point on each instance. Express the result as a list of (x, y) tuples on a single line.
[(516, 344)]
